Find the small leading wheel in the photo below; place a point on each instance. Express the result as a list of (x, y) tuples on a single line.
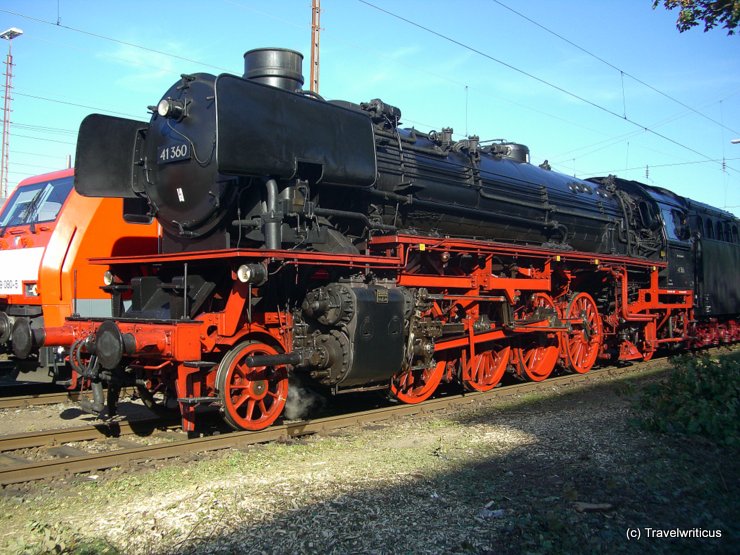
[(539, 352), (484, 370), (252, 398), (586, 335), (415, 386)]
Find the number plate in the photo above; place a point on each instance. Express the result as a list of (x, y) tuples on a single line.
[(173, 153)]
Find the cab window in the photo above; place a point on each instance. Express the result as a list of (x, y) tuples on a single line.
[(39, 202), (675, 224), (699, 224)]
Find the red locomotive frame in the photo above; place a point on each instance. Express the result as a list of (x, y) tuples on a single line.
[(522, 309)]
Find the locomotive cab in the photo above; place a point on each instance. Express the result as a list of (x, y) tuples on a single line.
[(716, 250), (679, 244)]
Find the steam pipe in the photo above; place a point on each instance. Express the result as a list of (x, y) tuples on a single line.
[(354, 216), (293, 359), (273, 238)]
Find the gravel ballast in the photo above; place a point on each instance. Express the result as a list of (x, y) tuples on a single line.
[(564, 470)]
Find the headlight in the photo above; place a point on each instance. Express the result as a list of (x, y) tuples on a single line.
[(252, 273), (32, 290), (108, 278), (244, 273), (173, 109)]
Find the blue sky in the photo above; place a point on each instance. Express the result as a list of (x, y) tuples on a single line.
[(94, 62)]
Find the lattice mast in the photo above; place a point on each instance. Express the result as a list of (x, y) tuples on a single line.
[(8, 35), (315, 32)]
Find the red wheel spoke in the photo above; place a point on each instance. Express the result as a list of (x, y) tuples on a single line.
[(240, 401), (250, 409), (241, 372)]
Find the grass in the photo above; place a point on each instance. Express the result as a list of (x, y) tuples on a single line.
[(413, 485), (700, 397)]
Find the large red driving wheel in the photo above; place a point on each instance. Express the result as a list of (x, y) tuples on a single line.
[(538, 353), (252, 398), (484, 370), (586, 335), (415, 386)]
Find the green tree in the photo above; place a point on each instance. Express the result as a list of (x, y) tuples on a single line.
[(711, 12)]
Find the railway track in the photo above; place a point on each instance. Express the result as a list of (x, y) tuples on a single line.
[(26, 390), (121, 452), (38, 399)]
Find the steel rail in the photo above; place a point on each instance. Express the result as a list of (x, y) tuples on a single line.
[(101, 461), (37, 399), (60, 436)]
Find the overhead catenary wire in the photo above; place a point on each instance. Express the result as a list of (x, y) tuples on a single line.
[(43, 128), (41, 139), (37, 166), (282, 20), (161, 52), (472, 89), (540, 80), (611, 65), (668, 165), (75, 104), (37, 154), (111, 39)]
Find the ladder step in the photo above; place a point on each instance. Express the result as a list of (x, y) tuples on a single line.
[(197, 400), (198, 364)]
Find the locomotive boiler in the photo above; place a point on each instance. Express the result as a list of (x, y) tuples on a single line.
[(314, 236), (232, 161)]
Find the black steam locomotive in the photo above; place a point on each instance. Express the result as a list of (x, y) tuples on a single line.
[(372, 256)]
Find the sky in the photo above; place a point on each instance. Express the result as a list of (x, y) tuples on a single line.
[(593, 86)]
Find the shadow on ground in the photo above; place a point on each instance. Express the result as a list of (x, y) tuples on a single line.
[(580, 447)]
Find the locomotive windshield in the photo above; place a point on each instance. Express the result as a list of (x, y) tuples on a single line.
[(39, 202)]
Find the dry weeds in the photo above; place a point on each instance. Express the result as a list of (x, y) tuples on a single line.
[(563, 471)]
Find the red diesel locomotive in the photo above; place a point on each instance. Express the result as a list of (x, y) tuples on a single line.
[(47, 234)]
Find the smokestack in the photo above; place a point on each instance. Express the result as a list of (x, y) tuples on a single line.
[(277, 67)]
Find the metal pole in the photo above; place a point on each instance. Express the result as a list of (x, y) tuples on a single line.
[(8, 35), (315, 31), (6, 122)]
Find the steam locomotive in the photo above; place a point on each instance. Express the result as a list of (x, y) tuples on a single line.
[(320, 238)]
